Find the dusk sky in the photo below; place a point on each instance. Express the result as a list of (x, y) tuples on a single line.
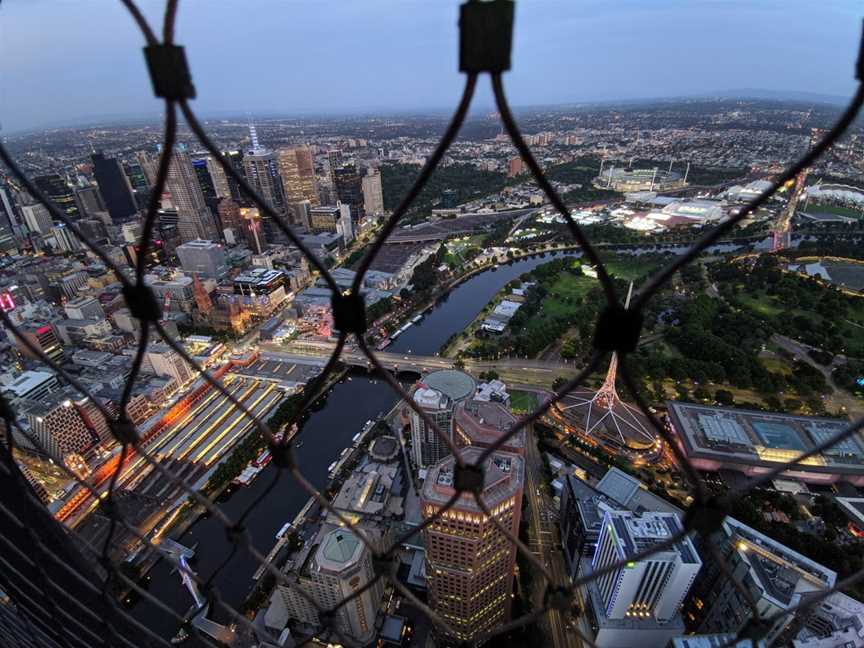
[(65, 60)]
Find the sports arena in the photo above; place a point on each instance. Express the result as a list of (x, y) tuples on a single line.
[(629, 180)]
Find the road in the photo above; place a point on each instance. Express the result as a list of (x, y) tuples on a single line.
[(543, 542), (412, 362)]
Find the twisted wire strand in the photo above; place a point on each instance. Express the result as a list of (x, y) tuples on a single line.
[(199, 132), (425, 173), (841, 126), (528, 157), (242, 538), (406, 398)]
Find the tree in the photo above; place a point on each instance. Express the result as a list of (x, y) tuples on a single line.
[(724, 397)]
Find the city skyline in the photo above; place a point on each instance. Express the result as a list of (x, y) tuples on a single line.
[(553, 42)]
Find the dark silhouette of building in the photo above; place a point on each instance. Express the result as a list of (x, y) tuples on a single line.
[(58, 190), (114, 187), (349, 190)]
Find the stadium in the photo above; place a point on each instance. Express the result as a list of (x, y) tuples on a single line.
[(629, 180), (753, 443)]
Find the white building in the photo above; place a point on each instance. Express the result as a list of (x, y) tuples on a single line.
[(203, 258), (167, 362), (373, 197), (37, 218), (427, 445), (653, 587), (84, 308), (344, 226), (837, 621), (776, 577), (334, 569)]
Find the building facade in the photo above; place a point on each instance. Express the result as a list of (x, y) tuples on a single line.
[(469, 561)]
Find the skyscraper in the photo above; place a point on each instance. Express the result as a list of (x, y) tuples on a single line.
[(349, 190), (184, 193), (262, 172), (298, 175), (229, 216), (89, 202), (58, 190), (775, 576), (469, 561), (653, 587), (437, 395), (334, 567), (373, 197), (37, 218), (205, 181), (219, 178), (114, 188)]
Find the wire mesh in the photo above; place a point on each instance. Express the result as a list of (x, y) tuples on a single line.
[(74, 584)]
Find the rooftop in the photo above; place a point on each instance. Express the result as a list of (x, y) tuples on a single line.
[(504, 476), (764, 438), (456, 384)]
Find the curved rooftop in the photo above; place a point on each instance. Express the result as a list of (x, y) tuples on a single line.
[(456, 384)]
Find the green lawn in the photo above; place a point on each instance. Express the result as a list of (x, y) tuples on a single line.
[(761, 304), (814, 208), (521, 401), (564, 292), (629, 267)]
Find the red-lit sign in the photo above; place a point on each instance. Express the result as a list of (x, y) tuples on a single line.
[(6, 302)]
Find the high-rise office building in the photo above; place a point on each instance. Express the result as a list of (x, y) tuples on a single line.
[(65, 239), (323, 219), (334, 161), (58, 190), (218, 177), (235, 159), (12, 229), (203, 259), (262, 172), (89, 202), (114, 187), (776, 578), (228, 212), (653, 587), (37, 218), (373, 196), (297, 169), (167, 362), (205, 181), (184, 193), (40, 336), (335, 567), (149, 166), (58, 425), (469, 561), (84, 308), (437, 394), (345, 225), (349, 190)]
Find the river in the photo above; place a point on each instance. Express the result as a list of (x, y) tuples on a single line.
[(325, 434)]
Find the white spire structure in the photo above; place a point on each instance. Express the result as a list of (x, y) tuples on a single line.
[(253, 135), (606, 413)]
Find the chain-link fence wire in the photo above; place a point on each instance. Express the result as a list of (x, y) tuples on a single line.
[(70, 581)]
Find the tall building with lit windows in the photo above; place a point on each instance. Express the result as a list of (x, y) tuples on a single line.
[(469, 562), (333, 566), (652, 587), (183, 192), (297, 170)]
